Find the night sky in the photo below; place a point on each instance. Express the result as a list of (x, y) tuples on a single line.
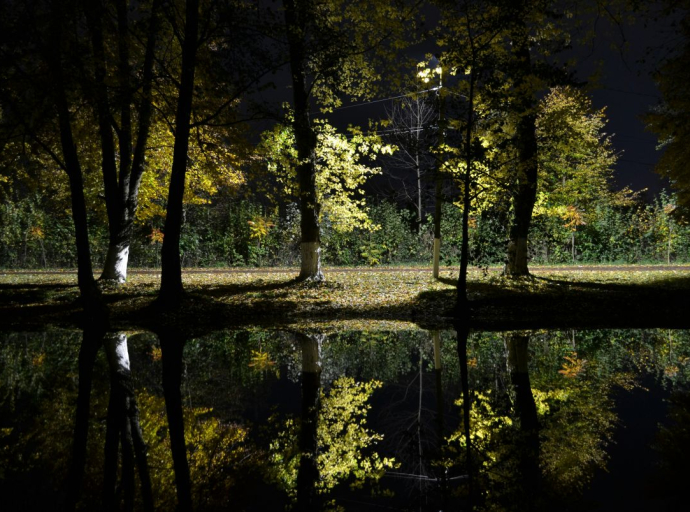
[(627, 90)]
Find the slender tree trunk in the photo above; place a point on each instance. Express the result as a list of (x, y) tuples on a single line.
[(572, 245), (466, 199), (438, 205), (91, 343), (172, 346), (440, 416), (526, 142), (90, 295), (463, 332), (171, 290), (417, 163), (296, 17)]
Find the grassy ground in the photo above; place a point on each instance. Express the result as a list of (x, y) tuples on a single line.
[(557, 297)]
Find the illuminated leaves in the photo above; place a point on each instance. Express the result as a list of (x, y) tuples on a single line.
[(576, 157), (572, 367), (340, 171), (213, 165)]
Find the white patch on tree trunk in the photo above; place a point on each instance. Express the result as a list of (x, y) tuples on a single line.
[(517, 258), (437, 256), (115, 266), (436, 335), (118, 355), (311, 353), (311, 261)]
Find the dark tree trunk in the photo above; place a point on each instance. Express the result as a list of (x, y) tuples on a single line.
[(308, 471), (466, 199), (93, 305), (526, 142), (91, 343), (172, 346), (440, 417), (296, 17), (463, 332), (526, 411), (171, 290)]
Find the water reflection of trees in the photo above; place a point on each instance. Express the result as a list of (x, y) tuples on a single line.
[(329, 444), (225, 383), (542, 416)]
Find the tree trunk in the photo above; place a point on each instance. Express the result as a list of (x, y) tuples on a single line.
[(91, 343), (572, 245), (123, 430), (172, 346), (463, 332), (440, 417), (518, 365), (296, 17), (171, 290), (115, 266), (91, 298), (308, 471), (439, 193), (466, 200), (526, 142)]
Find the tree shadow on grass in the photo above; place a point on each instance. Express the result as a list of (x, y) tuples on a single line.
[(237, 289), (663, 284), (448, 280), (30, 292)]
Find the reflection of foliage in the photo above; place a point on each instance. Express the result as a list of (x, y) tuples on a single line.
[(343, 433), (37, 434), (344, 441), (218, 454), (578, 421), (485, 429), (261, 361)]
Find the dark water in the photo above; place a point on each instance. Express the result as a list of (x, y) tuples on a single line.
[(345, 420)]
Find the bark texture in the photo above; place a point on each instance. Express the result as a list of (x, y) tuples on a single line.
[(308, 471), (90, 295), (172, 346), (171, 290), (297, 16), (525, 194)]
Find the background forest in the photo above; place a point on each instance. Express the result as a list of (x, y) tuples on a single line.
[(382, 188)]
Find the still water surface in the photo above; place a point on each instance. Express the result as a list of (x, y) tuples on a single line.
[(349, 420)]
